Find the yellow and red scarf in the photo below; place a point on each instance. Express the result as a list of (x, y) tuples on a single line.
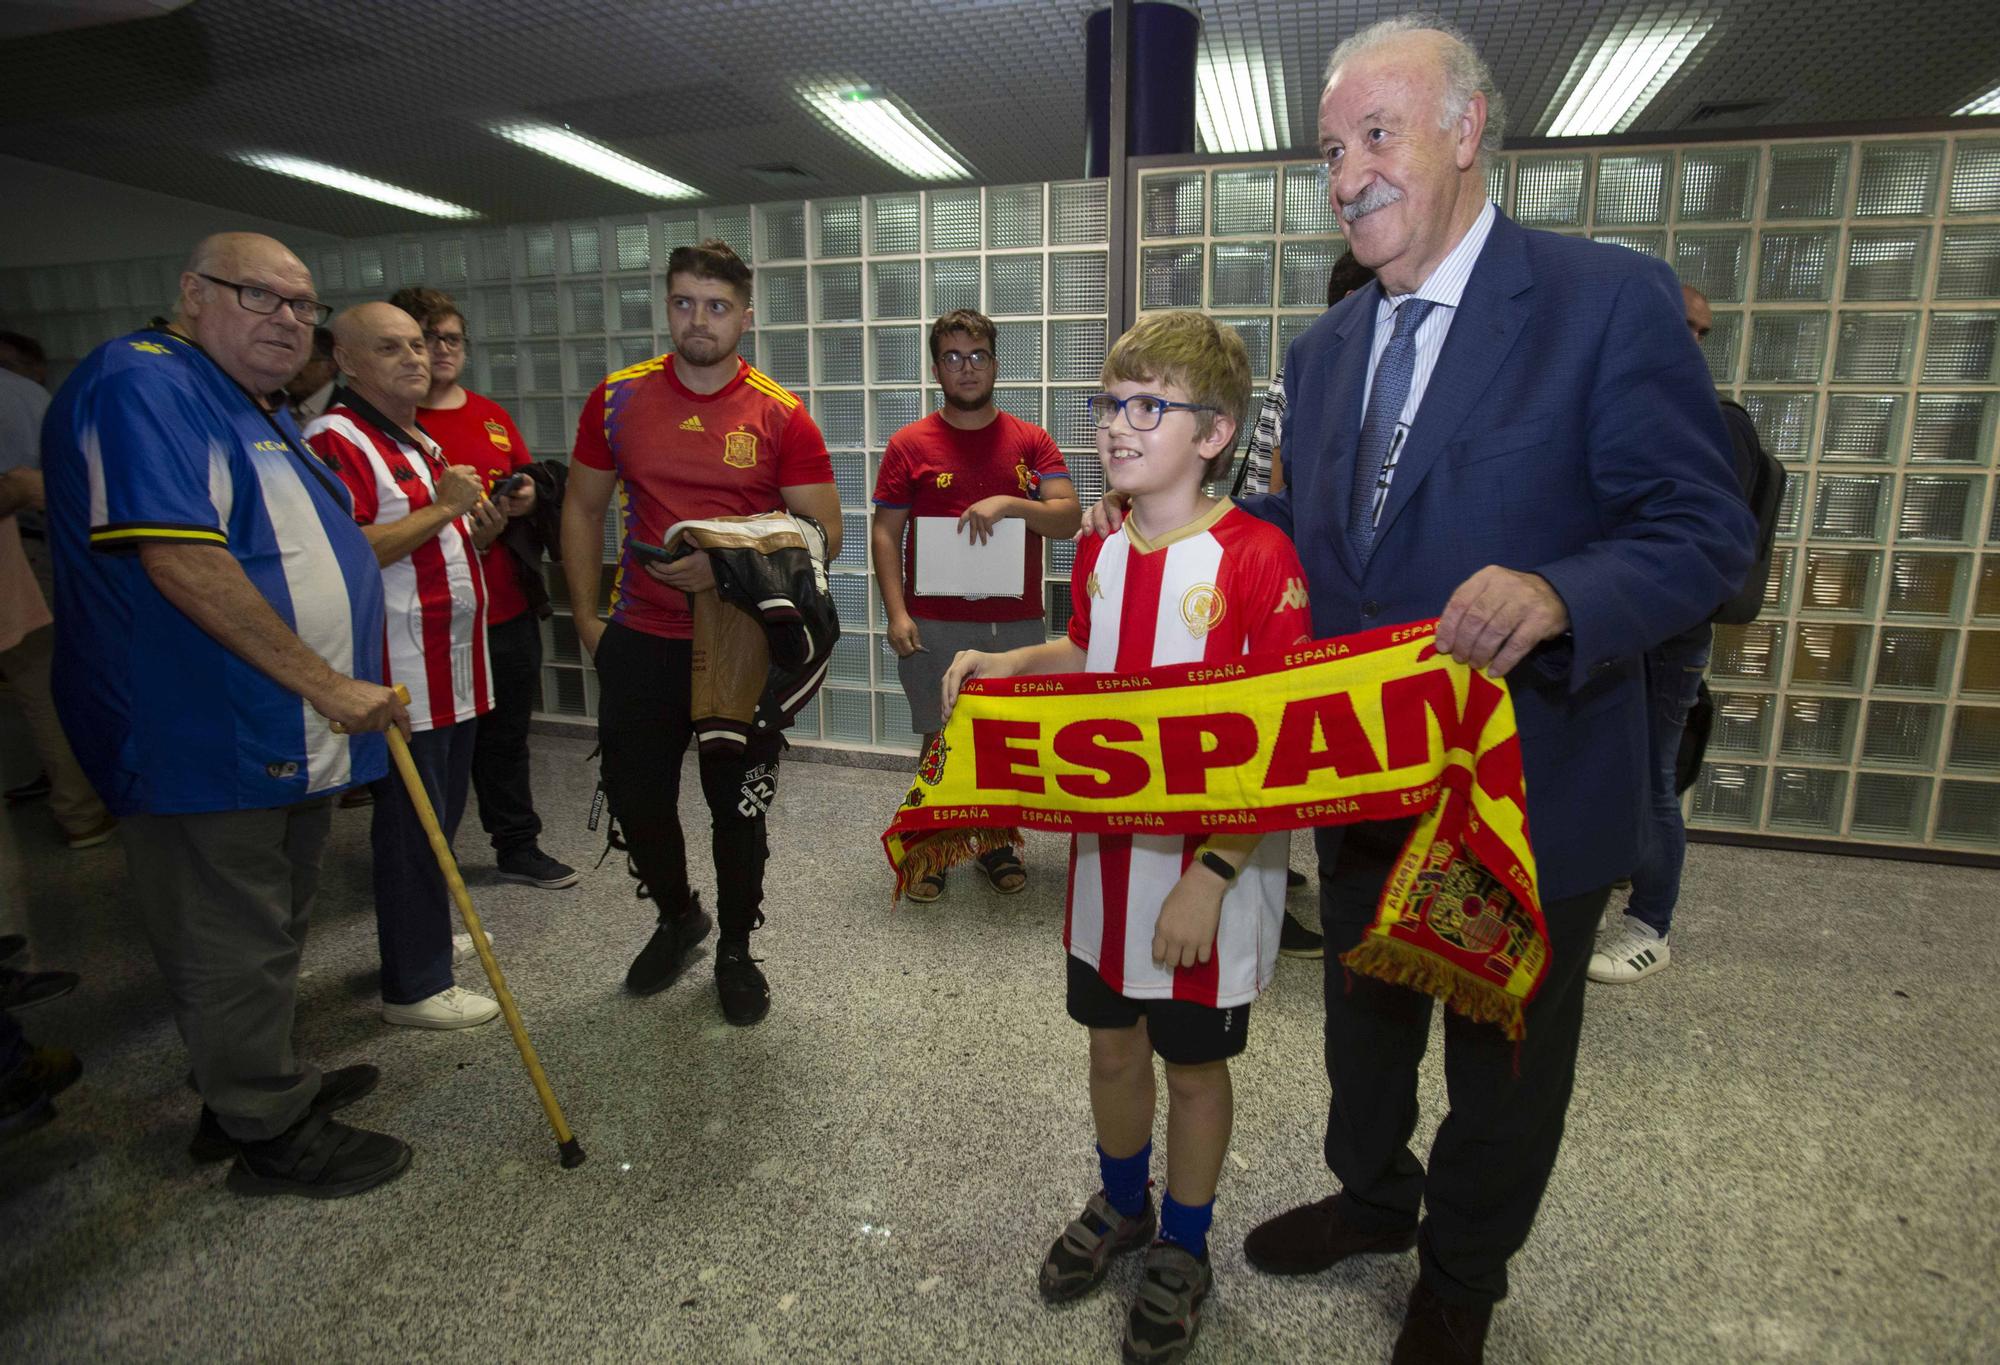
[(1376, 726)]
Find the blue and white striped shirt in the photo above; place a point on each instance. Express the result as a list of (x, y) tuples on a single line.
[(1445, 287)]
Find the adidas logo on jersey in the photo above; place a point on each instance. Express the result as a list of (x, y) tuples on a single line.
[(693, 423)]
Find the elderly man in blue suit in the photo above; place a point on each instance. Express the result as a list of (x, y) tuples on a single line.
[(1513, 432)]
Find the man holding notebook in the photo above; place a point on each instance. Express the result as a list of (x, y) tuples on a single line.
[(948, 483)]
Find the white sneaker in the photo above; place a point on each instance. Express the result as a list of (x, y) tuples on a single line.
[(451, 1007), (1630, 952), (461, 945)]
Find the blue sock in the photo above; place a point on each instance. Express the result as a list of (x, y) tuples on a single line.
[(1186, 1227), (1125, 1178)]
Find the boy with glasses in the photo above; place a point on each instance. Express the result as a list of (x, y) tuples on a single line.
[(973, 463), (1170, 938), (474, 430)]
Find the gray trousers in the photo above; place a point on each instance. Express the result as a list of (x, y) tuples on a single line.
[(224, 897)]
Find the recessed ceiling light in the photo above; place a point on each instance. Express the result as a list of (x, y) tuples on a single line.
[(334, 178), (1237, 99), (881, 126), (1614, 84), (1988, 103), (573, 149)]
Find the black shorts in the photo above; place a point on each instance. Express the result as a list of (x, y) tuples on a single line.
[(1182, 1033)]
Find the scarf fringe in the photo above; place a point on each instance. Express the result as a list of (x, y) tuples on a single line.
[(1403, 964), (936, 854)]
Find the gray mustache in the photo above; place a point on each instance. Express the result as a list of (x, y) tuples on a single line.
[(1376, 196)]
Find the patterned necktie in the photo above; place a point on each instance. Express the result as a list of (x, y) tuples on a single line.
[(1378, 425)]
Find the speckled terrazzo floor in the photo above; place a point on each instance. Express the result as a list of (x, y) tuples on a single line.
[(1782, 1148)]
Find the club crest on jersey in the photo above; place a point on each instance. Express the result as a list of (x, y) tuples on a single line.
[(1294, 594), (739, 449), (498, 435), (1023, 478), (944, 479), (1202, 609)]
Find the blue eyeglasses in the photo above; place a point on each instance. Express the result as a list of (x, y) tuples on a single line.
[(1143, 411)]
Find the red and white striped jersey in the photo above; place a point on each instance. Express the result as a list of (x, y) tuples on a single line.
[(1221, 587), (435, 596)]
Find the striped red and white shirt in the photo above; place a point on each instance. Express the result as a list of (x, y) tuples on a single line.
[(1221, 587), (435, 596)]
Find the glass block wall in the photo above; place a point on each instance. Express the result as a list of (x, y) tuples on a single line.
[(845, 292), (1856, 289)]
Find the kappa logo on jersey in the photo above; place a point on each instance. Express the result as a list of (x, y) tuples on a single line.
[(498, 435), (152, 348), (692, 423), (944, 480), (759, 790), (1294, 594), (1091, 587), (1202, 609), (739, 449)]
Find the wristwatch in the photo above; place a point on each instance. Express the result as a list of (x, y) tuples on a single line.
[(1217, 864)]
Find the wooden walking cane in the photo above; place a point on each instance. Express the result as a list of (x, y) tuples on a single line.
[(399, 750)]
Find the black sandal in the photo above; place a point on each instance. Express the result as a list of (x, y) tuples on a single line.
[(925, 889), (1001, 863)]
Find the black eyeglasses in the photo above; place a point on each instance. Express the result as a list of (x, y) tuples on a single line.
[(1143, 411), (958, 360), (446, 341), (257, 299)]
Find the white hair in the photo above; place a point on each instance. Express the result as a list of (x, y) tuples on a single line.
[(1465, 71)]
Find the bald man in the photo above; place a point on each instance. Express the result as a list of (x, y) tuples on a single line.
[(219, 672), (427, 522)]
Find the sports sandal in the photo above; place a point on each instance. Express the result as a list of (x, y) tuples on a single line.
[(1077, 1262), (1002, 864), (925, 889), (1166, 1313)]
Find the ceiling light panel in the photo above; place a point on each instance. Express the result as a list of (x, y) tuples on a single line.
[(879, 125), (573, 149), (1239, 101), (1988, 103), (1614, 83), (334, 178)]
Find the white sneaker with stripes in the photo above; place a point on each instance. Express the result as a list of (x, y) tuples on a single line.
[(1628, 952)]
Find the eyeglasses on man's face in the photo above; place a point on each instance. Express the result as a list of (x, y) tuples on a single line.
[(959, 360), (1143, 411), (257, 299)]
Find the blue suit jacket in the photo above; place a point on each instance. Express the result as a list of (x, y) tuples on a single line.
[(1570, 430)]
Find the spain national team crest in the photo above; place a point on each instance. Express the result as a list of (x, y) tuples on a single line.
[(1202, 609), (739, 449), (498, 435), (931, 769), (1022, 478)]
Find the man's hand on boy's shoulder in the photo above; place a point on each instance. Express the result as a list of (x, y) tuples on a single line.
[(1185, 933), (979, 519), (1104, 516)]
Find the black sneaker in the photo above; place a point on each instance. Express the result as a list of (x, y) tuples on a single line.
[(337, 1090), (1166, 1314), (536, 868), (320, 1158), (33, 790), (1079, 1258), (18, 990), (665, 955), (1295, 940), (746, 996)]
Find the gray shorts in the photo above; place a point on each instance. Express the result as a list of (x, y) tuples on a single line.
[(922, 673)]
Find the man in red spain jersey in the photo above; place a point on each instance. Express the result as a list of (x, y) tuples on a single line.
[(1169, 938), (695, 433), (474, 430), (427, 521), (977, 465)]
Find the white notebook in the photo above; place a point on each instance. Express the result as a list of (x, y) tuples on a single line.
[(950, 565)]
